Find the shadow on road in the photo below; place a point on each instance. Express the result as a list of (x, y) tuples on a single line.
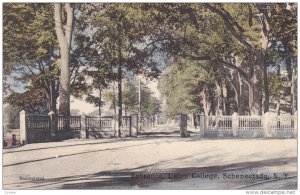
[(128, 178), (78, 153)]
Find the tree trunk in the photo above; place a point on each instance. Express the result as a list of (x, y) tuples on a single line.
[(100, 100), (224, 97), (52, 97), (205, 104), (241, 107), (64, 36), (266, 93), (205, 101), (278, 74), (294, 86), (291, 67), (261, 54), (120, 90), (254, 93), (219, 92)]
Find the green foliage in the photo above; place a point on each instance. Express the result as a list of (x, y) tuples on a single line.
[(179, 85), (11, 116), (150, 105), (32, 100), (29, 45), (110, 97), (284, 25), (276, 86), (194, 36), (130, 98), (118, 35), (28, 34)]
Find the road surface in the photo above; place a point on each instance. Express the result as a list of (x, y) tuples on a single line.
[(153, 161)]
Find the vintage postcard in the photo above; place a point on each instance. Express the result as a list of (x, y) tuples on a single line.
[(143, 96)]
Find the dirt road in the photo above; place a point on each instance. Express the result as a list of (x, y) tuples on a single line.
[(167, 162)]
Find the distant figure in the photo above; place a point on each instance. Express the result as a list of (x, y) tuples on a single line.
[(14, 140), (195, 121), (4, 143)]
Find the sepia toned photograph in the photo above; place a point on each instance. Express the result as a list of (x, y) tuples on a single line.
[(150, 96)]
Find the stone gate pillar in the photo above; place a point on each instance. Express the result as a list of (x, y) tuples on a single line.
[(23, 133), (235, 124), (83, 129), (265, 123), (202, 124)]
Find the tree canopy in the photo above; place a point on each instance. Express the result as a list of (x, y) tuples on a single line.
[(220, 58)]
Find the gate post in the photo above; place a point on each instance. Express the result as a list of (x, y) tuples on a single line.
[(23, 133), (52, 128), (183, 125), (83, 129), (265, 121), (137, 124), (235, 124), (202, 124), (116, 124), (130, 125)]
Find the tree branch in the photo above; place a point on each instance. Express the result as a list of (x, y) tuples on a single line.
[(227, 64), (226, 18), (155, 41), (232, 66), (241, 29)]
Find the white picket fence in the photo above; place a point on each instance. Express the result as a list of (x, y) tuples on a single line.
[(267, 125)]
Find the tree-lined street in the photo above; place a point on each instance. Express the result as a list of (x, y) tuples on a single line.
[(182, 95)]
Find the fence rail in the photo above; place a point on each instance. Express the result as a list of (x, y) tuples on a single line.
[(107, 126), (99, 123), (283, 125), (217, 123), (73, 123), (267, 125), (38, 128)]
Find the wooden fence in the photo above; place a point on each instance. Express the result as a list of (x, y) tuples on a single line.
[(215, 124), (107, 126), (99, 123), (268, 125), (99, 127), (37, 128), (41, 128), (65, 127), (74, 123)]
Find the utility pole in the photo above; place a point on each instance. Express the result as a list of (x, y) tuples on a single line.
[(100, 97), (139, 116)]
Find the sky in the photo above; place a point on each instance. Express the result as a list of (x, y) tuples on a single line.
[(87, 108)]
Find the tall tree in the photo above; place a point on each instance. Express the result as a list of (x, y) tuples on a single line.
[(64, 19), (29, 46), (120, 41), (222, 33), (283, 44)]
